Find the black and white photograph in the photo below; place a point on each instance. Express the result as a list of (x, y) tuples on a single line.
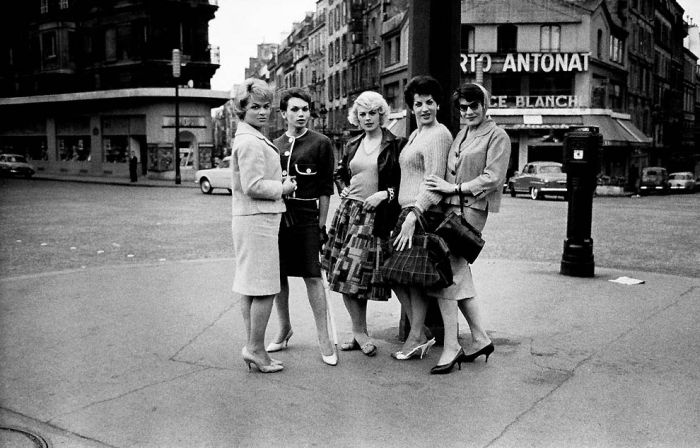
[(350, 223)]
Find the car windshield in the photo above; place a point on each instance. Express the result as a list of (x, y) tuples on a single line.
[(550, 169), (651, 173), (679, 177), (19, 159)]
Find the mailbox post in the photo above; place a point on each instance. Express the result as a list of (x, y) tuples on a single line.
[(581, 146)]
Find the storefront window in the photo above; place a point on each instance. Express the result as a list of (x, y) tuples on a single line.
[(116, 149), (32, 147), (75, 148)]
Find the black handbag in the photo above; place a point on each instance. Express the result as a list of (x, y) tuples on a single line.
[(461, 237), (426, 264)]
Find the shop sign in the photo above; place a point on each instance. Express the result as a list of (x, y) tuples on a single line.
[(529, 102), (185, 122), (528, 62)]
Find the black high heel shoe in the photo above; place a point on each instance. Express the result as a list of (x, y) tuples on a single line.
[(447, 368), (486, 351)]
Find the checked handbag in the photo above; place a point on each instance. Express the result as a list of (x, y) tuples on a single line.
[(426, 264)]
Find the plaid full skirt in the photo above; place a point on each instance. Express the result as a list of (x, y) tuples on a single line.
[(352, 255)]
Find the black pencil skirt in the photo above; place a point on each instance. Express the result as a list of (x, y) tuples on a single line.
[(299, 240)]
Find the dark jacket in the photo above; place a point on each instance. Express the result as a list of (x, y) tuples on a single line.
[(389, 177)]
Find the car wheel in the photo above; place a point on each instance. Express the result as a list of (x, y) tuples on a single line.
[(205, 186), (512, 190), (535, 193)]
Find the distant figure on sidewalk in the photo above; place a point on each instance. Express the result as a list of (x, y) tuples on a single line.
[(133, 166), (369, 174), (308, 156), (256, 208), (476, 169)]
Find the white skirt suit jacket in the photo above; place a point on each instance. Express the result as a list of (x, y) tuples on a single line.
[(256, 208)]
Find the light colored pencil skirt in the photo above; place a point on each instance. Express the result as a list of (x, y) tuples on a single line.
[(256, 269)]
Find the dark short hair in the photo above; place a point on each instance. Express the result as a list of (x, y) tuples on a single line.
[(294, 92), (422, 85), (470, 92)]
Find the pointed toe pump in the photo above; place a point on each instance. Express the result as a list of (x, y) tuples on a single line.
[(486, 351), (250, 360), (442, 369), (277, 346)]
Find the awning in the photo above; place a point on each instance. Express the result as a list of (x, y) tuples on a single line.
[(616, 131)]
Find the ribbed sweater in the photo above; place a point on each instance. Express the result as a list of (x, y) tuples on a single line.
[(425, 153)]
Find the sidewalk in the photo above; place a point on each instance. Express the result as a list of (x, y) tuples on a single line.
[(142, 181), (149, 356)]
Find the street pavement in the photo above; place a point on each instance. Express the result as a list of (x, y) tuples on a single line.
[(148, 355)]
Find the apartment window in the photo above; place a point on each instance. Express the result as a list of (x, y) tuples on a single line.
[(466, 38), (616, 49), (344, 84), (44, 6), (331, 53), (615, 92), (63, 4), (549, 37), (344, 46), (330, 88), (331, 13), (392, 51), (599, 45), (48, 44), (110, 44), (392, 94), (507, 39)]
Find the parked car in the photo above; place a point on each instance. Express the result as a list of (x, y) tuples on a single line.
[(219, 177), (539, 179), (654, 179), (683, 181), (15, 165)]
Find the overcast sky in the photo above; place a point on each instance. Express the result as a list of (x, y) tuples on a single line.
[(240, 25)]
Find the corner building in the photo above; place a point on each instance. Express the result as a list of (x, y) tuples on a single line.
[(83, 83), (552, 65)]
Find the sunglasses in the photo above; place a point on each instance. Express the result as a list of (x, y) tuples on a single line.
[(474, 105)]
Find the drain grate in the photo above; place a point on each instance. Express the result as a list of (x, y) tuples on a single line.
[(19, 437)]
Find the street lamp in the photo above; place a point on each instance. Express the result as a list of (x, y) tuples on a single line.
[(324, 112), (176, 75)]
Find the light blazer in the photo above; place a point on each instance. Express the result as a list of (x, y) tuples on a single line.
[(256, 175), (481, 160)]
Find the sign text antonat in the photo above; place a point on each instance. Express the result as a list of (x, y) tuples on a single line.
[(528, 62), (536, 102)]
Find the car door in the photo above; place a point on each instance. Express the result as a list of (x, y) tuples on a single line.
[(221, 177), (522, 183)]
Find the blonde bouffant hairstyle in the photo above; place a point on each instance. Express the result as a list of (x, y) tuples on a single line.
[(251, 88), (372, 101)]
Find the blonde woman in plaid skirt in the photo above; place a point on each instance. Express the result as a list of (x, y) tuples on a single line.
[(368, 174)]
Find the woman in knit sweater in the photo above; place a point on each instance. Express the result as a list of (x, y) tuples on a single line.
[(476, 170), (424, 155)]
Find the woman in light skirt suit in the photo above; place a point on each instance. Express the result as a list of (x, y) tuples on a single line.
[(476, 169), (257, 206)]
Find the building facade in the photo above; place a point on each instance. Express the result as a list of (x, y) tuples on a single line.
[(85, 83)]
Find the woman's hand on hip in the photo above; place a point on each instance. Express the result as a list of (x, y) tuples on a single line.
[(436, 183), (404, 240), (373, 201)]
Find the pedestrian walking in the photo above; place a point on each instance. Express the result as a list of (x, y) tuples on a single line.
[(476, 169), (307, 156), (257, 206), (425, 155), (369, 176)]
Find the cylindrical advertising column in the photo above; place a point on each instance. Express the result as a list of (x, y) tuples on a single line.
[(581, 146)]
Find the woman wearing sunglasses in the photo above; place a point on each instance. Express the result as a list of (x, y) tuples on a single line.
[(476, 169)]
